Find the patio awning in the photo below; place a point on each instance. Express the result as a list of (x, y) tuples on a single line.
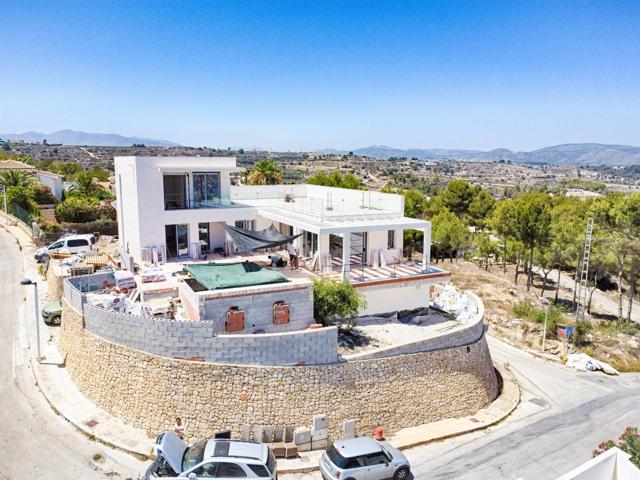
[(252, 240)]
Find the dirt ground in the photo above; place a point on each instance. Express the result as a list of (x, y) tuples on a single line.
[(606, 341)]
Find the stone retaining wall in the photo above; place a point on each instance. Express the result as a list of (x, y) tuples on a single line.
[(149, 391)]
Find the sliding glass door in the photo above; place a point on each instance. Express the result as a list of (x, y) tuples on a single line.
[(177, 240), (206, 190)]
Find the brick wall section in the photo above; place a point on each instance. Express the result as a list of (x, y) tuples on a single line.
[(174, 338), (149, 391)]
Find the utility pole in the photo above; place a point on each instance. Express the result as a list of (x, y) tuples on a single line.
[(581, 298)]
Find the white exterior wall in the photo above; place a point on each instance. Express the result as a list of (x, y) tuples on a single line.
[(140, 191), (391, 297), (53, 182), (378, 240), (127, 205)]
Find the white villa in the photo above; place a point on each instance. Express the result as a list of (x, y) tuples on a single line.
[(178, 206)]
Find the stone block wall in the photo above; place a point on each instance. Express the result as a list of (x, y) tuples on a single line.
[(175, 338), (258, 307), (149, 391)]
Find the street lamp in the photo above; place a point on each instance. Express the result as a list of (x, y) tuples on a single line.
[(4, 199), (545, 302), (26, 282)]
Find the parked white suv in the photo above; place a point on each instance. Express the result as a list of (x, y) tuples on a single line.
[(71, 244), (214, 458), (363, 458)]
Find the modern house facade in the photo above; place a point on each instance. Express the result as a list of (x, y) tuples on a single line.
[(180, 205)]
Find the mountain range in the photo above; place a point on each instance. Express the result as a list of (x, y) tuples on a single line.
[(75, 137), (570, 153)]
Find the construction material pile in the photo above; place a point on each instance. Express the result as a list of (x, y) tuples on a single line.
[(585, 363), (456, 303)]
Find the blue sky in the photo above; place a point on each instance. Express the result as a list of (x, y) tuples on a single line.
[(308, 75)]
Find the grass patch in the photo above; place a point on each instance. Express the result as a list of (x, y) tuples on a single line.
[(532, 313), (614, 327)]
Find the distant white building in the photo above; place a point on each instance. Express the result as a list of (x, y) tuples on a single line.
[(181, 205), (583, 194), (51, 180)]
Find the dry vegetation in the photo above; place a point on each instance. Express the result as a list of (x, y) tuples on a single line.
[(608, 340)]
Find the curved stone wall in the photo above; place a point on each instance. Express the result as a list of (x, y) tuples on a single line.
[(149, 391)]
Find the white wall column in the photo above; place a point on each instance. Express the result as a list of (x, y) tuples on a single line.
[(346, 256), (426, 248), (194, 240)]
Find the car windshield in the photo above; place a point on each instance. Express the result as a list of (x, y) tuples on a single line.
[(193, 455), (335, 457)]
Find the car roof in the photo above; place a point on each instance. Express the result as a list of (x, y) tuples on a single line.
[(354, 447), (236, 449)]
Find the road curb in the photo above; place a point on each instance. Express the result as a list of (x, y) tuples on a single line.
[(493, 414)]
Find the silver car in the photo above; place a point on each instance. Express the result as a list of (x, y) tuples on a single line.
[(363, 458), (214, 458)]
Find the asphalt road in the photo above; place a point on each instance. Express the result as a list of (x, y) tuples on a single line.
[(35, 443), (563, 416)]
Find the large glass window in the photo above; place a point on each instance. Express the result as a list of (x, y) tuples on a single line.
[(175, 192), (206, 189)]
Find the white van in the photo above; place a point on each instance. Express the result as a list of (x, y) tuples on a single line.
[(71, 244)]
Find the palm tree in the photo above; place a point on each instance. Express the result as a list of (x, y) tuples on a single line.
[(15, 178), (85, 185), (266, 172)]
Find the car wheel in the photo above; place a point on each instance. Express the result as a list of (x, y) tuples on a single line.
[(55, 320), (401, 474)]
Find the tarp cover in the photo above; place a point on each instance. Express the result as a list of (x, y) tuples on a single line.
[(215, 276), (251, 240)]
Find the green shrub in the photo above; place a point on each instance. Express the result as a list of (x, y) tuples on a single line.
[(42, 194), (532, 313), (77, 209), (582, 327), (336, 301)]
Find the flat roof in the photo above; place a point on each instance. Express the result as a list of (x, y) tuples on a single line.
[(354, 447)]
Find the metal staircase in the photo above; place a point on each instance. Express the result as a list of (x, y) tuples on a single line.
[(581, 297)]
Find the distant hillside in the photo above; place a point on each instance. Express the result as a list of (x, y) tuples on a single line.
[(74, 137), (571, 153)]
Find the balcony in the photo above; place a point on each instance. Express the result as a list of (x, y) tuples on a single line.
[(180, 201)]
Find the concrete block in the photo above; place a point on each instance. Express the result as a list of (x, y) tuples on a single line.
[(321, 434), (304, 447), (349, 428), (319, 422), (301, 435), (319, 444)]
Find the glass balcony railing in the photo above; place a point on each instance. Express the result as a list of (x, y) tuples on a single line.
[(180, 201)]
